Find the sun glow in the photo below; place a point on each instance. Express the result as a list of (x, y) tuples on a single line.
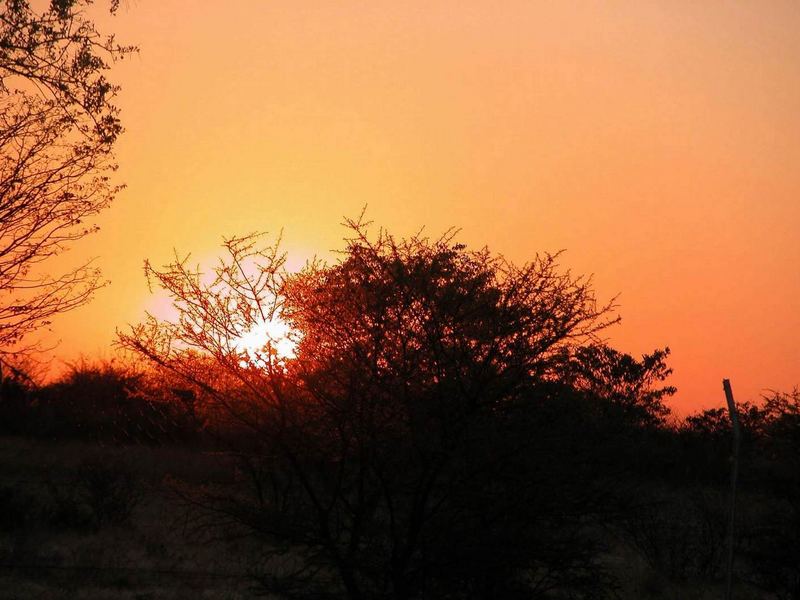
[(273, 337)]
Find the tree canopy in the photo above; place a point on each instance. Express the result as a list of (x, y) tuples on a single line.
[(412, 413)]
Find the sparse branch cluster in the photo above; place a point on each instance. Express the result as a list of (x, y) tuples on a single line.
[(214, 310), (58, 126), (61, 55)]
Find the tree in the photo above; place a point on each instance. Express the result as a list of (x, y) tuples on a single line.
[(400, 451), (626, 384), (58, 125)]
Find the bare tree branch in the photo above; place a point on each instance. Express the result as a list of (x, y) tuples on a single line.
[(58, 125)]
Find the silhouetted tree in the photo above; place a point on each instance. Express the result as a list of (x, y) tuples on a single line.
[(57, 129), (714, 423), (630, 386), (402, 450)]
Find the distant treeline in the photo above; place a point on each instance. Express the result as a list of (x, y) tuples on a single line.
[(104, 401)]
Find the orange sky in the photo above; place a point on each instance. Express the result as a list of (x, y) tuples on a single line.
[(658, 142)]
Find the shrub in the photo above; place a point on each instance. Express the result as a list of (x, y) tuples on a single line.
[(109, 489), (680, 535)]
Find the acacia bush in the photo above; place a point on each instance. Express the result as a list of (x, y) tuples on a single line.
[(403, 450)]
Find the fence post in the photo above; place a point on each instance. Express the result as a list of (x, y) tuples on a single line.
[(734, 415)]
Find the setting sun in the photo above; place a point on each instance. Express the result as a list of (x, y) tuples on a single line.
[(272, 336)]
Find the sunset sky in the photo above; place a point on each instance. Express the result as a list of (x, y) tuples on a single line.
[(657, 142)]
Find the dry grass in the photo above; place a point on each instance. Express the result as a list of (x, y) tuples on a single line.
[(148, 553), (154, 553)]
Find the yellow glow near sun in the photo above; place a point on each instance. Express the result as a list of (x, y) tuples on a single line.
[(275, 334)]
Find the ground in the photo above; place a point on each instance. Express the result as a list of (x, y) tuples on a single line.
[(61, 537)]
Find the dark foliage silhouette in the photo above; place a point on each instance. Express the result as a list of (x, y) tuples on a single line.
[(406, 450), (772, 538), (624, 383), (107, 402)]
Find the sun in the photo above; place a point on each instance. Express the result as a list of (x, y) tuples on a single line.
[(268, 336)]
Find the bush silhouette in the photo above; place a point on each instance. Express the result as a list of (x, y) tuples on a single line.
[(110, 402), (412, 446)]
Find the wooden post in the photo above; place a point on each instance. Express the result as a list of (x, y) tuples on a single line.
[(734, 415)]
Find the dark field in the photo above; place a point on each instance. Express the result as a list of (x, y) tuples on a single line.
[(85, 521)]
